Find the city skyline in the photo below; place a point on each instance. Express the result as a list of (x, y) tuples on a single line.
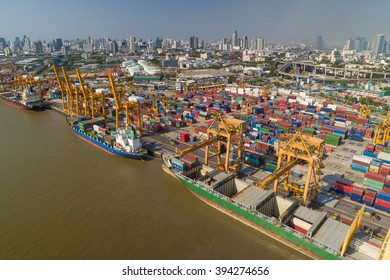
[(279, 21)]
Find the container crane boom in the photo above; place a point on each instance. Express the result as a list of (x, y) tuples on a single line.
[(61, 85)]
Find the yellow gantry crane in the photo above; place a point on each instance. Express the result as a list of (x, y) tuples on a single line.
[(125, 106), (193, 87), (384, 253), (364, 112), (299, 149), (353, 228), (248, 106), (382, 131), (63, 90), (265, 93), (221, 130), (92, 101)]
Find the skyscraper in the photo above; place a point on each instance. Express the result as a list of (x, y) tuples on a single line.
[(350, 44), (385, 46), (260, 44), (38, 47), (245, 43), (234, 39), (194, 42), (379, 44), (360, 44), (131, 42), (59, 43), (159, 42), (319, 43)]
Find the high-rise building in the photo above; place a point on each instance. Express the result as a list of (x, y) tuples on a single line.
[(385, 44), (131, 43), (379, 44), (59, 43), (27, 44), (319, 43), (235, 39), (159, 42), (87, 47), (176, 44), (360, 44), (260, 44), (38, 47), (194, 42), (350, 44), (64, 50), (17, 41), (245, 43)]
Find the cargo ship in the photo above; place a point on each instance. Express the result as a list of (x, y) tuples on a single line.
[(309, 231), (28, 99), (120, 142)]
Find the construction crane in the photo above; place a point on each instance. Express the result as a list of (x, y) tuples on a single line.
[(221, 130), (125, 106), (299, 149), (382, 131), (364, 112)]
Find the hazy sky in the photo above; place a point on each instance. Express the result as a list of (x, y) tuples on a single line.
[(275, 20)]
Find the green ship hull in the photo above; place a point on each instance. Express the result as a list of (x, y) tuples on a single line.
[(306, 246)]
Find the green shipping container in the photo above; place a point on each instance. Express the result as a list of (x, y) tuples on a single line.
[(308, 130), (271, 165), (263, 129), (373, 184)]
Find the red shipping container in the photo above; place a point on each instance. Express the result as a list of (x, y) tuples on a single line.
[(370, 193), (370, 148), (346, 220), (379, 148), (352, 118), (358, 191), (362, 121), (386, 189), (359, 127), (368, 133), (368, 198), (301, 230), (375, 177), (384, 170), (341, 182), (382, 203), (361, 163)]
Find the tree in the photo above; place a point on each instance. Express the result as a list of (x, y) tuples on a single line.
[(363, 100)]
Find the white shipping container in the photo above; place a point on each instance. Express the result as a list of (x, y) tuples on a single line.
[(362, 159), (136, 99), (300, 223), (96, 128), (102, 91), (340, 124), (384, 156)]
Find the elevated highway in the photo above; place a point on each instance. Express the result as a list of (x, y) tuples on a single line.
[(302, 69)]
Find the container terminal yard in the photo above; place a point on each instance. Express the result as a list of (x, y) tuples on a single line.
[(309, 173)]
